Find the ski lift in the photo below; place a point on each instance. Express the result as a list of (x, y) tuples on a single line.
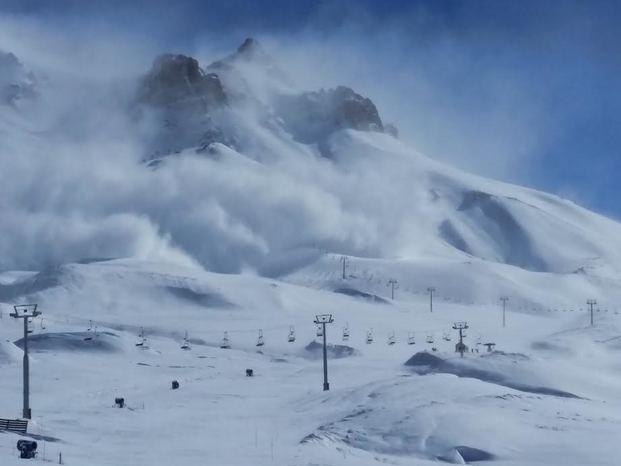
[(411, 340), (391, 338), (291, 337), (89, 337), (260, 341), (446, 337), (319, 330), (369, 336), (142, 340), (346, 332), (186, 343), (429, 339), (226, 343)]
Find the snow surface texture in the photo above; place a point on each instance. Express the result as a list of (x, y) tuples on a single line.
[(115, 202), (548, 394)]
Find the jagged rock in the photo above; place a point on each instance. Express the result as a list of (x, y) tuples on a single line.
[(312, 116), (178, 81), (194, 108)]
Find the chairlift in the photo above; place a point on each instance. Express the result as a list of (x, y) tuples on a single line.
[(142, 340), (411, 340), (89, 337), (291, 337), (226, 343), (260, 341), (446, 337), (369, 336), (186, 343), (319, 330), (346, 332), (391, 338), (430, 339)]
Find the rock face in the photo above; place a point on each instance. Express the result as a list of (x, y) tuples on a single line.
[(312, 116), (195, 108), (15, 82), (178, 81)]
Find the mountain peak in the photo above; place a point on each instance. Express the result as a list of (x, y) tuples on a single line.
[(249, 46)]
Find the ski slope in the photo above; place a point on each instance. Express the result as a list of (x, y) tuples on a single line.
[(378, 409), (230, 215)]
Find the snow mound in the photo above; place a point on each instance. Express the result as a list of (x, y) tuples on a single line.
[(497, 368), (314, 350), (103, 342)]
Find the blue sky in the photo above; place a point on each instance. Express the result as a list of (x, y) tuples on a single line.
[(528, 92)]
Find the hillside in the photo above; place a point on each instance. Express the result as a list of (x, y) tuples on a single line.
[(221, 197)]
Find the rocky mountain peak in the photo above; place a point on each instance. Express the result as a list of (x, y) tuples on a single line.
[(199, 104), (178, 80), (249, 47)]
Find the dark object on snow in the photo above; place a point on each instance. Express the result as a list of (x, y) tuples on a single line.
[(14, 425), (27, 449), (175, 385), (119, 402), (490, 346), (249, 372)]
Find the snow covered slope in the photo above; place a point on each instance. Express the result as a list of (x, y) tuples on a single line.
[(223, 199), (549, 395)]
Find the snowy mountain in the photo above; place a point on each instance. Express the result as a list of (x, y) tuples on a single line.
[(224, 198)]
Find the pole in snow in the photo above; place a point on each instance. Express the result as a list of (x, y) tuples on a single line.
[(591, 303), (26, 311), (344, 261), (322, 320), (461, 326), (504, 300), (393, 284), (431, 290)]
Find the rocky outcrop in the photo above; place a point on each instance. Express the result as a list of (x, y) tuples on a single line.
[(312, 116), (195, 107), (177, 81)]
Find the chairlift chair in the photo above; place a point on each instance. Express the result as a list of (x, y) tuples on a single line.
[(260, 341), (369, 337), (430, 339), (319, 330), (392, 339), (142, 340), (89, 337), (186, 343), (446, 337), (411, 340), (226, 343), (346, 332), (291, 337)]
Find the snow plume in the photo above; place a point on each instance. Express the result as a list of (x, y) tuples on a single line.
[(74, 185)]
